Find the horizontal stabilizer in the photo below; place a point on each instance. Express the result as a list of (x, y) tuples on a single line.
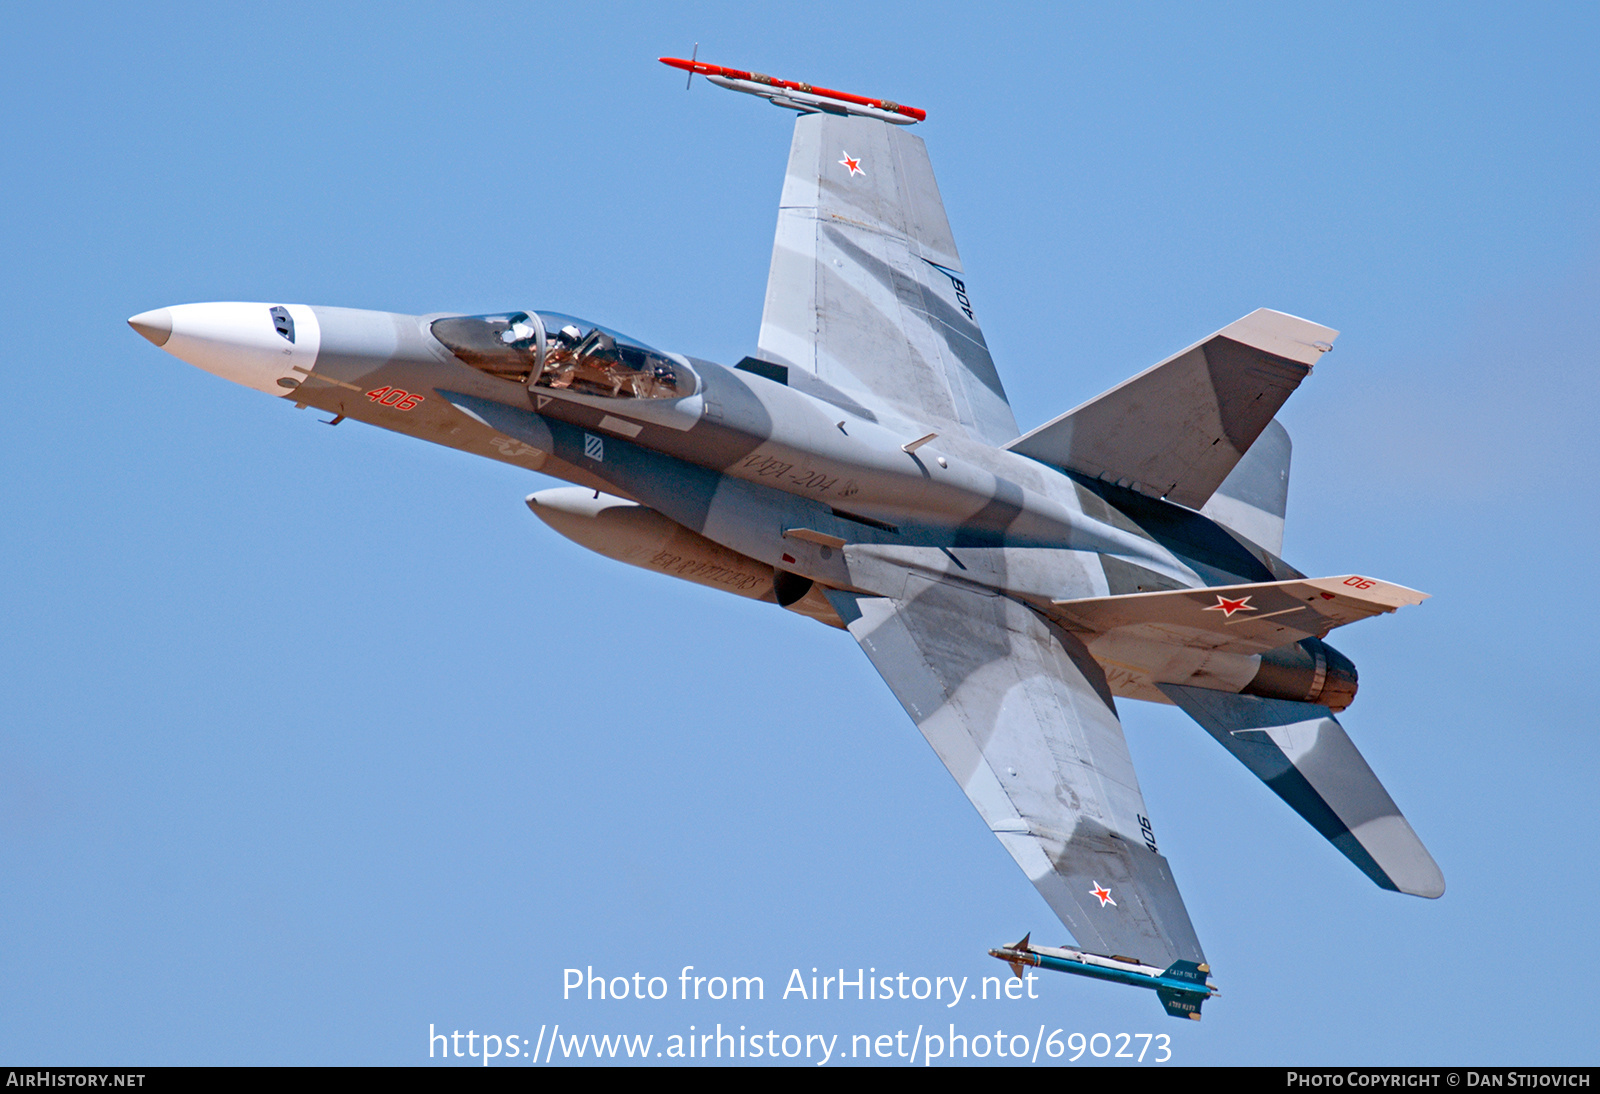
[(1176, 430), (1302, 752), (1239, 618)]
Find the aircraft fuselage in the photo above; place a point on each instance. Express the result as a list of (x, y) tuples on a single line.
[(799, 481)]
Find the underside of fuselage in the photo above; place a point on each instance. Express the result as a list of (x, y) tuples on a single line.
[(690, 462)]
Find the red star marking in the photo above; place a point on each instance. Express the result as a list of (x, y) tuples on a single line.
[(1104, 895), (1228, 607), (854, 165)]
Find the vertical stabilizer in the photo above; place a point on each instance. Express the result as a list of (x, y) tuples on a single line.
[(1179, 429), (1253, 498)]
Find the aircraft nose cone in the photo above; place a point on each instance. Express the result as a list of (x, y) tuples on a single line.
[(155, 325), (269, 347)]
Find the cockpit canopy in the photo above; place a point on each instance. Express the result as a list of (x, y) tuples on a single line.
[(550, 350)]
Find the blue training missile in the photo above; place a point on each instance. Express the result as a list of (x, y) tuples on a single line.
[(1181, 987)]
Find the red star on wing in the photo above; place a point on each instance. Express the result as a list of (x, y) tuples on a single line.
[(854, 165), (1228, 607), (1103, 894)]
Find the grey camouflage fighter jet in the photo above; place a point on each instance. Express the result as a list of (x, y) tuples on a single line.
[(863, 468)]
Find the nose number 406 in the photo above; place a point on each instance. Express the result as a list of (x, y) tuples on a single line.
[(393, 396)]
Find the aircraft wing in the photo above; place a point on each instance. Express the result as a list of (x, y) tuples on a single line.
[(866, 290), (1021, 715)]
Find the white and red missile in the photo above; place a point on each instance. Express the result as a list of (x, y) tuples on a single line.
[(794, 95)]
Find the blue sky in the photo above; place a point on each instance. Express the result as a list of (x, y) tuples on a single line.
[(313, 737)]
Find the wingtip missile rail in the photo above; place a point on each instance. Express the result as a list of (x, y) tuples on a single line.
[(1182, 987), (794, 95)]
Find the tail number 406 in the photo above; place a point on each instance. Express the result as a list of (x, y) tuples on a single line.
[(393, 396)]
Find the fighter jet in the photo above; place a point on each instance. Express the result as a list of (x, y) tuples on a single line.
[(863, 467)]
